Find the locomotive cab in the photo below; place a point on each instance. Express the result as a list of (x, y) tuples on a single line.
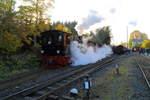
[(55, 49)]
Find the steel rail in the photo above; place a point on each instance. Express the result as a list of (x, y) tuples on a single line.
[(144, 75), (76, 78), (45, 84)]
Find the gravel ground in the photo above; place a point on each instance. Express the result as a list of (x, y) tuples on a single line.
[(146, 65), (107, 85)]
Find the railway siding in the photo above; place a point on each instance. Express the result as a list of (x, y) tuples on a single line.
[(144, 67)]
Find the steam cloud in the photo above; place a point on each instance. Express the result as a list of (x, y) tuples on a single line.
[(83, 54), (113, 10)]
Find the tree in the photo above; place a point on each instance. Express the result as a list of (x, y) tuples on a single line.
[(68, 27), (146, 44), (130, 44), (63, 28), (71, 26), (37, 11), (103, 35), (9, 43), (9, 40), (59, 27), (144, 36), (136, 38), (25, 15), (7, 14), (21, 25), (27, 25), (123, 44), (135, 35), (39, 8)]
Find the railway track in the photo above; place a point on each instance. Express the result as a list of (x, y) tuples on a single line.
[(140, 65), (21, 82), (42, 90)]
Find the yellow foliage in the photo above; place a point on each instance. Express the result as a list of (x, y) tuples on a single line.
[(146, 44), (66, 29), (9, 43), (123, 44), (59, 27), (135, 35), (113, 44), (43, 27)]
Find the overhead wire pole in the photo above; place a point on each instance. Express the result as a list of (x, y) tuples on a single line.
[(127, 36)]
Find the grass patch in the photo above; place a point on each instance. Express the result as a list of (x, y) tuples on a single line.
[(16, 64), (111, 86), (102, 90), (121, 91), (123, 70)]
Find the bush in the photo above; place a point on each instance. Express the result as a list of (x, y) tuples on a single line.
[(9, 43), (18, 64), (146, 44)]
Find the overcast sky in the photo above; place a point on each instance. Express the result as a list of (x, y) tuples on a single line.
[(118, 14)]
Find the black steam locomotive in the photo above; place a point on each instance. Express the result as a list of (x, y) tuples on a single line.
[(55, 49)]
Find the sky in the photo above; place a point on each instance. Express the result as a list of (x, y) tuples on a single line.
[(120, 15)]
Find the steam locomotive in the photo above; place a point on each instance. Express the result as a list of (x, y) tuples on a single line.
[(55, 49)]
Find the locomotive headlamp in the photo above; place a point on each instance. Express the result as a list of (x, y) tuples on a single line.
[(60, 38), (42, 51), (58, 51), (49, 42)]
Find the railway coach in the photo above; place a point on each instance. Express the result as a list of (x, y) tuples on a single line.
[(119, 50), (55, 49)]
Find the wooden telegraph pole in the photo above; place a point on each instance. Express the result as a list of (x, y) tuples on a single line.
[(127, 36)]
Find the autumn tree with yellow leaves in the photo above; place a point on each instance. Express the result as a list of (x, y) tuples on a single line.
[(146, 44), (123, 44), (63, 28), (9, 40), (137, 36), (21, 27), (68, 27)]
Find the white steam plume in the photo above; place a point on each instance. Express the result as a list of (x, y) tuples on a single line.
[(83, 54)]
